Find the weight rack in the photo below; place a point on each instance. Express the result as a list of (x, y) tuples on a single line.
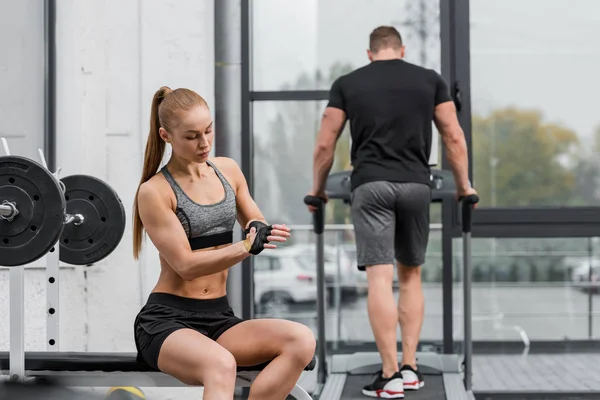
[(17, 295)]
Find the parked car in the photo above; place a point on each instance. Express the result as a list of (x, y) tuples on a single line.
[(581, 276), (348, 274), (281, 281)]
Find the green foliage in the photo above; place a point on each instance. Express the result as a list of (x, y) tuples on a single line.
[(521, 161), (587, 172)]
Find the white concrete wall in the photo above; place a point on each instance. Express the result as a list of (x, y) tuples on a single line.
[(111, 57)]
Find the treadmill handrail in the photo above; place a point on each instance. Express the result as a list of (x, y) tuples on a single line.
[(319, 227), (468, 204)]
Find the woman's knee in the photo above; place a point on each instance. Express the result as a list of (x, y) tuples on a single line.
[(302, 344), (222, 370)]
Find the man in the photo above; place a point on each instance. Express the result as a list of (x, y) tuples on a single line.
[(390, 104)]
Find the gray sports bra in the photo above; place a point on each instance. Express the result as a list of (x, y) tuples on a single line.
[(205, 225)]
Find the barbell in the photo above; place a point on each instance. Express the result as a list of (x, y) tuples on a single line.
[(37, 210)]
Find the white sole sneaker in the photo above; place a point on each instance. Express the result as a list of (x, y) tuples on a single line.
[(383, 394), (411, 381), (394, 389), (414, 385)]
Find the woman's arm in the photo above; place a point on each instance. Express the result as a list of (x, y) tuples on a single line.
[(167, 234), (247, 209)]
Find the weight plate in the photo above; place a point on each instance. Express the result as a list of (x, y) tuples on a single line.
[(41, 205), (103, 224)]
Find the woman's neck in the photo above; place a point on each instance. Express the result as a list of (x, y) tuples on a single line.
[(180, 166)]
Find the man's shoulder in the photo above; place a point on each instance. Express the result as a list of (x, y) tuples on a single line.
[(419, 69), (349, 76)]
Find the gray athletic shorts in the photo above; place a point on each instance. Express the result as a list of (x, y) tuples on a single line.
[(391, 221)]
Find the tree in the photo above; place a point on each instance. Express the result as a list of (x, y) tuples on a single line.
[(588, 172), (423, 25), (519, 160)]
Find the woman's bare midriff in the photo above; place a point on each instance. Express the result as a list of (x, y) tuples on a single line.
[(205, 287)]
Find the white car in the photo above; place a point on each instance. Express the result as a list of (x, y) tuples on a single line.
[(334, 256), (280, 281), (581, 275)]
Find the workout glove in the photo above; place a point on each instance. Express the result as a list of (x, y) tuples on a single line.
[(262, 232)]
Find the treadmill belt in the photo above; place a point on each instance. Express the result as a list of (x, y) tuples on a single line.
[(433, 389)]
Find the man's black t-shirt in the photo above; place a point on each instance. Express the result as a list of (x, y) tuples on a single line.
[(390, 105)]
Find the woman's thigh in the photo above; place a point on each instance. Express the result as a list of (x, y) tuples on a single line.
[(192, 357), (258, 341)]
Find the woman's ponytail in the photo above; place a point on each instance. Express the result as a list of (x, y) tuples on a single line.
[(155, 150)]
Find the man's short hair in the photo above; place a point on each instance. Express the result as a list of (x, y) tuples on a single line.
[(384, 37)]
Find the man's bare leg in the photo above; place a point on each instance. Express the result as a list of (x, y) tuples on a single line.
[(411, 308), (383, 315)]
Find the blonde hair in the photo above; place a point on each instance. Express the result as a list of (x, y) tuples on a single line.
[(166, 105)]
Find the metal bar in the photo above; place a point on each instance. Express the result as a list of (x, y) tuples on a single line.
[(17, 323), (52, 298), (319, 223), (75, 219), (468, 340), (533, 231), (338, 291), (447, 278), (448, 207), (50, 82), (17, 314), (590, 291), (247, 149), (467, 223), (532, 215), (462, 64), (291, 95), (228, 110), (5, 146), (339, 227), (6, 210), (321, 308)]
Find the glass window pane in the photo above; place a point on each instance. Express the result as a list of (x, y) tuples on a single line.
[(536, 129), (284, 138), (306, 44), (536, 289), (22, 77)]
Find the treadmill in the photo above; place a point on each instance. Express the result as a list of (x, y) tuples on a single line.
[(447, 376)]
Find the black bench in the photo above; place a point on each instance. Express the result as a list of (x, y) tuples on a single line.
[(113, 369)]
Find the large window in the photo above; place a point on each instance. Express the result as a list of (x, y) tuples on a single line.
[(536, 127), (300, 49), (305, 45)]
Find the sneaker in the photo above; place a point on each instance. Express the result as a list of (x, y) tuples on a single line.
[(412, 379), (382, 388)]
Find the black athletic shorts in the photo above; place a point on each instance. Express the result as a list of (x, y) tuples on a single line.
[(391, 222), (165, 313)]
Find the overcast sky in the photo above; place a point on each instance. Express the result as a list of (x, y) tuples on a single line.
[(541, 54)]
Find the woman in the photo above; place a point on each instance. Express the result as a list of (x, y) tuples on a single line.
[(187, 328)]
